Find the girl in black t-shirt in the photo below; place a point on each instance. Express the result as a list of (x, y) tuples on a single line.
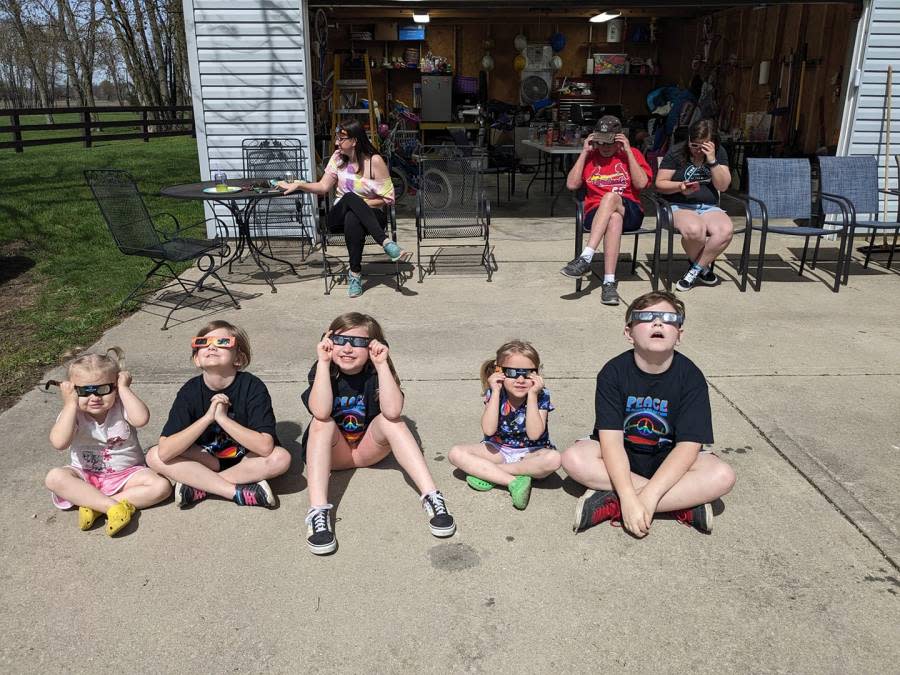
[(356, 403), (220, 436), (691, 177)]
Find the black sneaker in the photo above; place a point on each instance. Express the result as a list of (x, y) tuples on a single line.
[(708, 277), (699, 517), (320, 531), (254, 494), (578, 267), (594, 507), (440, 521), (185, 495), (608, 293), (686, 282)]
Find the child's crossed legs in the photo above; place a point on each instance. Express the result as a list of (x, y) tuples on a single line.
[(144, 488), (708, 478), (488, 464)]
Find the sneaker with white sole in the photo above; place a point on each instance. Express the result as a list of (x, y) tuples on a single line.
[(609, 294), (708, 277), (394, 251), (354, 285), (320, 530), (687, 282), (185, 495), (699, 517), (440, 522), (577, 267), (254, 494)]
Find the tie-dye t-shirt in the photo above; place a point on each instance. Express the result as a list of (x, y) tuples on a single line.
[(511, 423), (348, 180), (355, 402)]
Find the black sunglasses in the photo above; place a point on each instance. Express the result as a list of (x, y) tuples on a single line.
[(642, 316), (514, 373), (354, 340), (94, 390)]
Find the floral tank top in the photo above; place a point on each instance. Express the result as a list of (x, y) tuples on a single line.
[(350, 181)]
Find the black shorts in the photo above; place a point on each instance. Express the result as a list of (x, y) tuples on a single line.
[(634, 216), (645, 464)]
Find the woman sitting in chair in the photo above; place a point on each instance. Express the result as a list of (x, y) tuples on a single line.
[(691, 176), (363, 187)]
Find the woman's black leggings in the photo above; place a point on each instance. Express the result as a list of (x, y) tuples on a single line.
[(357, 219)]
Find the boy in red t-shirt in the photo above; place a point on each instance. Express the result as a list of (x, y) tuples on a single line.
[(613, 173)]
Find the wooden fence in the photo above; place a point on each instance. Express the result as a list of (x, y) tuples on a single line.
[(152, 122)]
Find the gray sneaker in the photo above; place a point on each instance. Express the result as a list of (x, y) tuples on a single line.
[(579, 267), (608, 293)]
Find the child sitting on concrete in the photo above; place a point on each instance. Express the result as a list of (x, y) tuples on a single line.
[(653, 416)]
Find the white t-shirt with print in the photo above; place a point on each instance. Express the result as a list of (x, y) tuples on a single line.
[(108, 446)]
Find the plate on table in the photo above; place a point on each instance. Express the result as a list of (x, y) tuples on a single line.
[(215, 191)]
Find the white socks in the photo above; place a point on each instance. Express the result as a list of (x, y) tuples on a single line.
[(587, 253)]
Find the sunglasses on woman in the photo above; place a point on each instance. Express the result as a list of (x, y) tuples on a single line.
[(94, 389), (221, 342), (354, 340), (642, 316), (515, 373)]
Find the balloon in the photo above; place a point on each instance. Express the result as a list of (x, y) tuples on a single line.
[(556, 62), (519, 63), (558, 41), (487, 62), (520, 42)]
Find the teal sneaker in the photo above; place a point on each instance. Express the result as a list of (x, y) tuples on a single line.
[(393, 250), (354, 288)]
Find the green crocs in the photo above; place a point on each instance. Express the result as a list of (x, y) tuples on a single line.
[(479, 484), (520, 491)]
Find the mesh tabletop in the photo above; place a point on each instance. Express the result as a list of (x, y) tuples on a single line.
[(195, 190)]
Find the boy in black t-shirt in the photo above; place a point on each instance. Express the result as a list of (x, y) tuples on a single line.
[(653, 417)]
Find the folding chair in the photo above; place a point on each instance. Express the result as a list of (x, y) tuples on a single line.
[(450, 204), (135, 233), (853, 183)]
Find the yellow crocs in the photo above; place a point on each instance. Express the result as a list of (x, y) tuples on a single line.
[(118, 516), (86, 517)]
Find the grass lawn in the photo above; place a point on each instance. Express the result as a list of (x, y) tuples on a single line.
[(61, 276)]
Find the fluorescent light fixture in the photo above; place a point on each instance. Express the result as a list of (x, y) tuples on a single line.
[(605, 16), (421, 18)]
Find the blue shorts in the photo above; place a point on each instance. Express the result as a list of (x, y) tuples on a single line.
[(699, 209), (632, 220)]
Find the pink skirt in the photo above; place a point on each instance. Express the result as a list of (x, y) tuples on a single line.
[(108, 483)]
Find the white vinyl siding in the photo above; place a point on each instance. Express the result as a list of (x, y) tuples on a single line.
[(249, 79), (863, 125)]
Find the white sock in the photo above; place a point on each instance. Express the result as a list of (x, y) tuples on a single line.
[(692, 273), (609, 278), (587, 253)]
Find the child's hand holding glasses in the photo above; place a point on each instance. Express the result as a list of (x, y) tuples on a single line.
[(123, 381), (68, 393), (537, 384), (324, 348), (495, 381), (378, 352)]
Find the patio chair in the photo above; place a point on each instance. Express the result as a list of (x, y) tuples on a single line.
[(336, 264), (450, 204), (496, 161), (279, 217), (135, 233), (781, 188), (653, 269), (853, 182)]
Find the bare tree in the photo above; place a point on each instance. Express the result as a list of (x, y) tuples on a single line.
[(35, 58)]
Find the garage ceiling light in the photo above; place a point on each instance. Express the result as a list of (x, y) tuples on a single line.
[(605, 16), (421, 18)]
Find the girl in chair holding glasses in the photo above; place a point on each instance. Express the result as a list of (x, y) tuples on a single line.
[(363, 187)]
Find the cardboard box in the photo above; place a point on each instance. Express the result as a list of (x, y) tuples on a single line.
[(386, 31)]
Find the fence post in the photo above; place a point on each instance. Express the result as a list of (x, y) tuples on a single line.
[(86, 118), (17, 132), (144, 129), (193, 126)]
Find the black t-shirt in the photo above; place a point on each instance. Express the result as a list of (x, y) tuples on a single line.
[(655, 411), (687, 172), (251, 407), (355, 402)]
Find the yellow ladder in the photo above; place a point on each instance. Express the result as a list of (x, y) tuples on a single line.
[(345, 97)]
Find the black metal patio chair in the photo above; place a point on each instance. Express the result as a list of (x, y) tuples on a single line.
[(782, 188), (135, 232), (496, 160), (853, 183), (450, 204), (335, 261), (280, 217)]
